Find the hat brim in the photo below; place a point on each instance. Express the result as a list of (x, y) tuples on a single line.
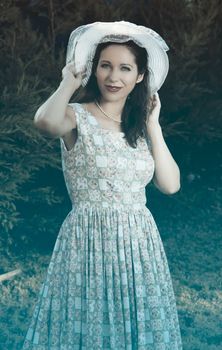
[(84, 40)]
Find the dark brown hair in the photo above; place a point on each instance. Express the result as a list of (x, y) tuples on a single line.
[(136, 106)]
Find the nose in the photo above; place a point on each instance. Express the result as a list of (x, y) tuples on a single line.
[(113, 75)]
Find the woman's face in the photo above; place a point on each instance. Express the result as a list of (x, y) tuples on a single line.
[(117, 72)]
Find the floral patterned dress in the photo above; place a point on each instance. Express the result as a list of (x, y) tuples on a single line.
[(108, 284)]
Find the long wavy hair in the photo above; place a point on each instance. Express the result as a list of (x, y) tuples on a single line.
[(136, 107)]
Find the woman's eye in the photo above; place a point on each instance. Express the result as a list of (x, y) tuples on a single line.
[(126, 68), (104, 65)]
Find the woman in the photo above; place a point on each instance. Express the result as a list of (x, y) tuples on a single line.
[(108, 285)]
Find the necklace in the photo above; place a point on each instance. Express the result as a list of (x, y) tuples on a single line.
[(108, 116)]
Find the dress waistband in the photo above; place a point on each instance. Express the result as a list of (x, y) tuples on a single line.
[(92, 207)]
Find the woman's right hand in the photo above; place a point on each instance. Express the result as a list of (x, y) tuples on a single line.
[(70, 78)]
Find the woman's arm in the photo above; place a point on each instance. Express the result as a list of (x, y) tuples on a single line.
[(167, 173), (54, 116)]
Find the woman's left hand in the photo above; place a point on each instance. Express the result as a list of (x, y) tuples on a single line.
[(155, 105)]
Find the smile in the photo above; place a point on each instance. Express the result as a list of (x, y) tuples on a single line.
[(112, 88)]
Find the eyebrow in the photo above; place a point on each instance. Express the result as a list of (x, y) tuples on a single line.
[(122, 64)]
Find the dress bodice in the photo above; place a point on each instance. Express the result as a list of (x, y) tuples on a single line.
[(102, 169)]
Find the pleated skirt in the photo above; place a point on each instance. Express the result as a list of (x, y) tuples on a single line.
[(108, 286)]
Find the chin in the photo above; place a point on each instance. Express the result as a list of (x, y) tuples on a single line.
[(112, 97)]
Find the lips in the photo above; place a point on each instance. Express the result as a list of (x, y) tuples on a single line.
[(112, 88)]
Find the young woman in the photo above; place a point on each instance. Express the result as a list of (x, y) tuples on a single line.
[(108, 285)]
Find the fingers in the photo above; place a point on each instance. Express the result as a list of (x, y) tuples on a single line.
[(154, 101), (81, 74), (84, 73), (71, 67), (155, 97)]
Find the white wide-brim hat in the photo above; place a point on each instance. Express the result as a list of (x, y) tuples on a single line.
[(84, 40)]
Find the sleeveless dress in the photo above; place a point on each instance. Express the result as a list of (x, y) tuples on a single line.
[(108, 284)]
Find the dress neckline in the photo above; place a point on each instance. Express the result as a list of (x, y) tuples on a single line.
[(98, 124)]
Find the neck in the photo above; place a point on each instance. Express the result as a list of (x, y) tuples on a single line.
[(114, 108)]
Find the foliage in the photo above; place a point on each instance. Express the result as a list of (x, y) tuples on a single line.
[(21, 144)]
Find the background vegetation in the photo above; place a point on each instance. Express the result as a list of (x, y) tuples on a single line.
[(33, 197)]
